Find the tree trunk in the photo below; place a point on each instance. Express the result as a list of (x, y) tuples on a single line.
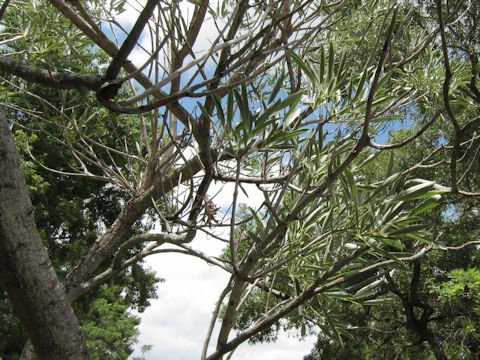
[(25, 269)]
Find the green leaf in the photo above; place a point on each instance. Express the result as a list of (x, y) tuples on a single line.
[(390, 165), (327, 220), (245, 115), (204, 111), (230, 106), (339, 294), (390, 242), (292, 115), (367, 160), (352, 184), (262, 120), (322, 65), (391, 212), (220, 114), (314, 216), (382, 186), (428, 204), (407, 230), (360, 85), (259, 223), (303, 330), (368, 290), (290, 100), (277, 87), (330, 62), (414, 192), (303, 66), (377, 301), (384, 79), (332, 324)]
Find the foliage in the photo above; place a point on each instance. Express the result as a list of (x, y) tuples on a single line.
[(109, 328), (459, 296)]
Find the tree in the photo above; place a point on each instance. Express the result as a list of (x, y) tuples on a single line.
[(69, 214), (280, 99), (418, 313)]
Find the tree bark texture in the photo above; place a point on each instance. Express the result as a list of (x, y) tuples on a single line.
[(26, 272)]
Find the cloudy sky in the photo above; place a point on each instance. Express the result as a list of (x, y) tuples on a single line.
[(177, 322)]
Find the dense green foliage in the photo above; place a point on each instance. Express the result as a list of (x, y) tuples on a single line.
[(70, 213), (432, 297)]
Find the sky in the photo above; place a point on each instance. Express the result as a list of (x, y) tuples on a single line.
[(176, 323)]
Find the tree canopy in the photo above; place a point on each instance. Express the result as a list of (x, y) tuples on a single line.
[(357, 121)]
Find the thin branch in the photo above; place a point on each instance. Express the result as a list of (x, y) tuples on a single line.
[(193, 30), (446, 99), (426, 41), (470, 167), (201, 255), (160, 239), (368, 112), (251, 179), (4, 8), (411, 138), (64, 173), (213, 320), (233, 244)]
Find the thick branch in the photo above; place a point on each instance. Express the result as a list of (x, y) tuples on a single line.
[(130, 41), (109, 242), (52, 79), (411, 138)]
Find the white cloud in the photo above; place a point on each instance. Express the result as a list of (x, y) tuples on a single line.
[(177, 322), (287, 347)]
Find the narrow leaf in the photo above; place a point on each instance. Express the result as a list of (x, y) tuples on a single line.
[(303, 66), (367, 288), (377, 301), (330, 62), (277, 86)]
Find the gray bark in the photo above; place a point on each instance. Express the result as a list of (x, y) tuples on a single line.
[(26, 272)]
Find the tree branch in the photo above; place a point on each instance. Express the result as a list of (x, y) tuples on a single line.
[(54, 79), (130, 41)]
